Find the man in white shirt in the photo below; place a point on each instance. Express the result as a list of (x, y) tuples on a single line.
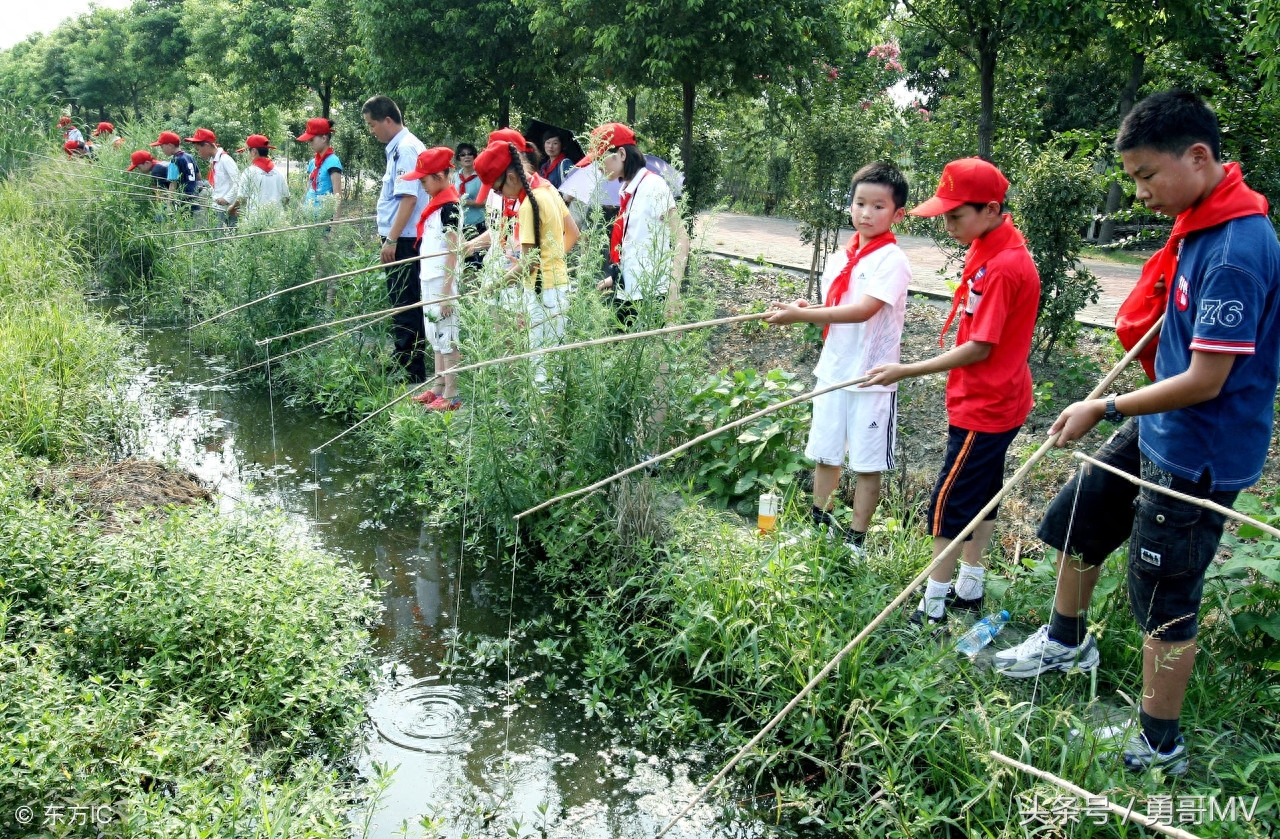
[(224, 175), (400, 202)]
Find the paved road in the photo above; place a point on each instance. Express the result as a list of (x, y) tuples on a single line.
[(777, 241)]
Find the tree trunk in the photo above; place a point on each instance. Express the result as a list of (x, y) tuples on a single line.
[(631, 110), (988, 50), (504, 110), (1115, 192), (326, 97), (686, 141)]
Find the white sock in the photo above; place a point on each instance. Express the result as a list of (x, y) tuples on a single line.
[(935, 597), (969, 581)]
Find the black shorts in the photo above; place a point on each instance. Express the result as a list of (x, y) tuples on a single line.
[(1171, 542), (971, 476)]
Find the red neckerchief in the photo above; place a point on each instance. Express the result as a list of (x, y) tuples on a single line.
[(620, 223), (1003, 238), (315, 172), (213, 166), (438, 200), (840, 285), (264, 163), (463, 180), (550, 166), (1230, 199)]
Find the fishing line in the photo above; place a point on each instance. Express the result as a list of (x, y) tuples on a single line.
[(1035, 684), (271, 408)]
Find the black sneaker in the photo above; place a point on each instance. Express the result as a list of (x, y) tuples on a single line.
[(963, 604), (920, 619)]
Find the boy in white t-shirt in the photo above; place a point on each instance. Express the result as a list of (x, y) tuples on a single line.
[(439, 233), (864, 291)]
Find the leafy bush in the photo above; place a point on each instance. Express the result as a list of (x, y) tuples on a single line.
[(761, 457), (1056, 200), (1247, 589), (203, 669)]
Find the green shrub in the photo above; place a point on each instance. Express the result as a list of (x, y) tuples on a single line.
[(1056, 200), (763, 456), (202, 669)]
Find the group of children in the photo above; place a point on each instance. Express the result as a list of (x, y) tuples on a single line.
[(75, 145), (502, 208), (230, 190), (1203, 428)]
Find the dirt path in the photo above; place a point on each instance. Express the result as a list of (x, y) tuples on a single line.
[(777, 242)]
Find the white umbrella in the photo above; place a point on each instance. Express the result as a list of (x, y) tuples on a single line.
[(588, 183)]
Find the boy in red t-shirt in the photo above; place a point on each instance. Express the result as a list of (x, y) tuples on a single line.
[(988, 383)]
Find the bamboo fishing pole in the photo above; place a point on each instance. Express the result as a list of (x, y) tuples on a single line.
[(653, 461), (84, 177), (269, 232), (1203, 503), (613, 339), (320, 280), (349, 220), (952, 550), (1125, 813), (388, 312), (312, 345)]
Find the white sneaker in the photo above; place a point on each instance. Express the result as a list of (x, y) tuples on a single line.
[(1040, 654), (1136, 751)]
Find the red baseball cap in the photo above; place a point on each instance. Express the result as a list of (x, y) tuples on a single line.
[(493, 161), (203, 135), (104, 128), (510, 135), (970, 180), (64, 120), (608, 136), (167, 138), (256, 141), (317, 126), (138, 158), (430, 162)]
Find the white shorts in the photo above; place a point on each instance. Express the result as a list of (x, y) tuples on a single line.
[(860, 429), (442, 332)]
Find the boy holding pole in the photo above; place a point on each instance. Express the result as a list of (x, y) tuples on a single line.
[(988, 380), (864, 289), (1203, 428)]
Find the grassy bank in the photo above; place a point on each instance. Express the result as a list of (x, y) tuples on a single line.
[(164, 673)]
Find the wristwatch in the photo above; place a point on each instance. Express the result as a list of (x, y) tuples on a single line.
[(1112, 415)]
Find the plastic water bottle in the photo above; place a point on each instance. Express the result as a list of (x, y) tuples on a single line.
[(972, 642)]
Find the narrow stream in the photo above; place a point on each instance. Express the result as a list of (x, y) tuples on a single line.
[(480, 754)]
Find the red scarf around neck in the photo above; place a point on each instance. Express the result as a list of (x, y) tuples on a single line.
[(840, 285), (550, 166), (1230, 199), (264, 163), (463, 180), (438, 200), (315, 172), (213, 168), (1003, 238)]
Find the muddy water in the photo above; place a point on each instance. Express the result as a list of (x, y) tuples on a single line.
[(475, 750)]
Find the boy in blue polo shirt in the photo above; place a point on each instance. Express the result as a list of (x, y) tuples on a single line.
[(1203, 428), (183, 174)]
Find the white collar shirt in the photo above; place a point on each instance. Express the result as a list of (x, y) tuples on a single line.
[(646, 256), (226, 176), (402, 155)]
